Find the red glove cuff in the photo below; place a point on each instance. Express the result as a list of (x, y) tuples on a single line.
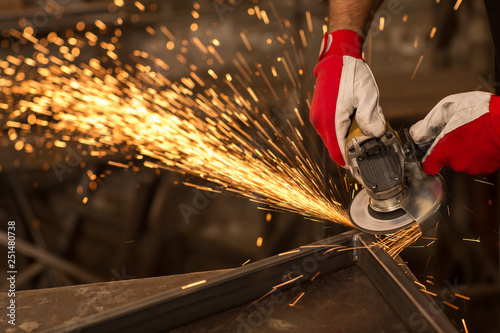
[(495, 113), (342, 43)]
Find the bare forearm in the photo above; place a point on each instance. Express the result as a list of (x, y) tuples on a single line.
[(352, 14)]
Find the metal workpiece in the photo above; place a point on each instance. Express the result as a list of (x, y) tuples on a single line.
[(327, 272), (203, 298), (397, 284)]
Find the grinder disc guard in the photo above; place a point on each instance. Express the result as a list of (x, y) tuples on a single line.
[(425, 204)]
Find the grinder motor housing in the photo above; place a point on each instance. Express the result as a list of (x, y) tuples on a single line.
[(396, 191), (378, 164)]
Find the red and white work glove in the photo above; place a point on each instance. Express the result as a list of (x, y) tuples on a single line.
[(465, 133), (344, 84)]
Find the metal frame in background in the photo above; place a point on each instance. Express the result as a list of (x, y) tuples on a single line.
[(186, 304)]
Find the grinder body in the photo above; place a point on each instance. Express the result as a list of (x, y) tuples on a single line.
[(396, 191)]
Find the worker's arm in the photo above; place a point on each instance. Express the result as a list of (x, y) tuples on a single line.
[(344, 83), (464, 130), (352, 15)]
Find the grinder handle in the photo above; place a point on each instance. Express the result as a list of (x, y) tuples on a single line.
[(354, 132)]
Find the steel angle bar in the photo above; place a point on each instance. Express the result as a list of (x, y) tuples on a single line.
[(197, 300), (417, 309)]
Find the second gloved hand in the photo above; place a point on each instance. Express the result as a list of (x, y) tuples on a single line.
[(344, 85), (465, 133)]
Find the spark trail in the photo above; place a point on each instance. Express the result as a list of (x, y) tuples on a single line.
[(217, 128), (204, 134)]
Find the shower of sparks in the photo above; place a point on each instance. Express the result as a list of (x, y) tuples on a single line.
[(333, 249), (484, 182), (336, 246), (215, 127), (288, 252), (469, 210), (303, 37), (433, 32), (194, 284), (120, 165), (309, 21), (381, 24), (417, 67), (353, 248), (419, 284), (465, 326), (206, 134), (395, 243), (287, 282), (428, 292), (463, 297), (451, 305), (370, 47), (315, 276), (478, 240), (297, 299)]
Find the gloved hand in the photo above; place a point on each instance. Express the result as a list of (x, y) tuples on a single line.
[(465, 133), (344, 85)]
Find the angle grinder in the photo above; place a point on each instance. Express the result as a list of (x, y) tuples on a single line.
[(396, 191)]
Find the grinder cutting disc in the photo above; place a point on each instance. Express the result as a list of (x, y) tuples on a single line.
[(425, 204), (366, 219)]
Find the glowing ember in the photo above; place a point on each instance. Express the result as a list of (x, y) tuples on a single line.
[(395, 243)]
